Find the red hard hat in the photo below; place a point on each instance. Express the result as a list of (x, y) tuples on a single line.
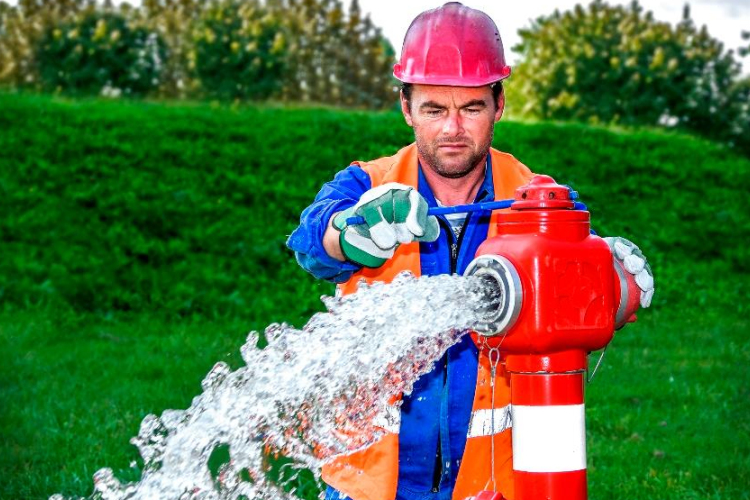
[(452, 45)]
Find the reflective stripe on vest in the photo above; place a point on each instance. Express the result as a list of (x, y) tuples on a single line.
[(372, 473), (488, 422)]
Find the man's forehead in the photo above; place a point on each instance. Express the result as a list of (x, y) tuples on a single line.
[(448, 95)]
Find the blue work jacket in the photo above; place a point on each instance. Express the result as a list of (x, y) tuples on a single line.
[(437, 412)]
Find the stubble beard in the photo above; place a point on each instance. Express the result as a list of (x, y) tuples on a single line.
[(429, 153)]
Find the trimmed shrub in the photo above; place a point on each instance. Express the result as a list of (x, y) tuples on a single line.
[(617, 64), (101, 53)]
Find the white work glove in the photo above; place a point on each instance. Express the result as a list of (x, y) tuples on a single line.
[(635, 263), (393, 214)]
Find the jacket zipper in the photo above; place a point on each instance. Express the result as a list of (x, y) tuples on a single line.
[(452, 243), (455, 245), (455, 242)]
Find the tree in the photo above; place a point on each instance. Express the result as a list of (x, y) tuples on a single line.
[(239, 51), (744, 51), (617, 64), (335, 57), (21, 30), (294, 50), (100, 53), (174, 21)]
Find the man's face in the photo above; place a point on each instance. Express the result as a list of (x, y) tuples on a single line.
[(452, 125)]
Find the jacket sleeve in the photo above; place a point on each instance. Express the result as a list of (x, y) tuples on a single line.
[(307, 240)]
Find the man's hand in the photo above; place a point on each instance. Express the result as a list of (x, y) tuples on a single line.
[(635, 263), (393, 214)]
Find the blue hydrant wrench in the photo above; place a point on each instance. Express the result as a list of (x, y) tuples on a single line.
[(472, 207)]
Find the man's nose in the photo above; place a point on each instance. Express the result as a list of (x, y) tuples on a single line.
[(453, 125)]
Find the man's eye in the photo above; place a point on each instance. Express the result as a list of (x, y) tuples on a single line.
[(433, 112), (473, 111)]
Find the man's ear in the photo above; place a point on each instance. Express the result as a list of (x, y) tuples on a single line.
[(500, 106), (405, 110)]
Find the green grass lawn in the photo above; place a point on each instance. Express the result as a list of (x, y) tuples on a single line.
[(140, 242)]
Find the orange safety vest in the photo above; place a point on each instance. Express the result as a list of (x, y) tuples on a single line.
[(372, 473)]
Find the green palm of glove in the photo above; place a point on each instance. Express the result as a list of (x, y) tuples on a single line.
[(393, 214)]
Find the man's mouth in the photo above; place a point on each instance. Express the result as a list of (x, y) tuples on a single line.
[(452, 146)]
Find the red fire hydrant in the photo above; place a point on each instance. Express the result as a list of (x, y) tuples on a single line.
[(561, 295)]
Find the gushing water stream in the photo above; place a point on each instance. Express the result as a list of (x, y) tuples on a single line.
[(310, 395)]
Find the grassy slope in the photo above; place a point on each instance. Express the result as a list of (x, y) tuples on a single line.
[(140, 242)]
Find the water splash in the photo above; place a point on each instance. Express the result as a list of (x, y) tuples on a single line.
[(310, 395)]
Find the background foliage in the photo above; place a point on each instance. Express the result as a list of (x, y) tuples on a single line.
[(293, 50), (239, 51), (598, 63), (141, 242), (100, 53), (617, 64), (338, 55), (178, 198)]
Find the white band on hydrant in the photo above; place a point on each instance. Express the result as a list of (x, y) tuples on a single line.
[(549, 438)]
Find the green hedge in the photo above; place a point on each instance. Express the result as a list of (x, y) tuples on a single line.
[(111, 207)]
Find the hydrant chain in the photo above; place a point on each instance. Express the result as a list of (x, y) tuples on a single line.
[(494, 358), (596, 367)]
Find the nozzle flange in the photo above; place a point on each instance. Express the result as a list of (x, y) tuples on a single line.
[(504, 287)]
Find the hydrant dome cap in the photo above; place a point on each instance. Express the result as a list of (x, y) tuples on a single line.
[(542, 192)]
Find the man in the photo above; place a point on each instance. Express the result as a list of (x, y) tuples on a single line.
[(452, 66)]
